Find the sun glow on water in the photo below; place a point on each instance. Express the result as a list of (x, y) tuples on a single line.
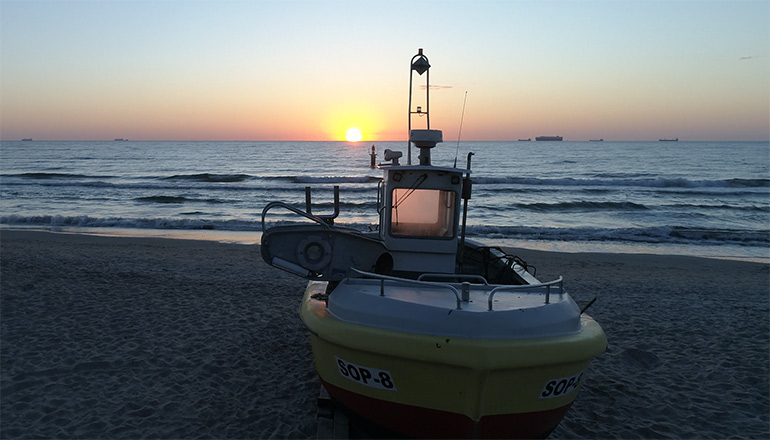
[(353, 135)]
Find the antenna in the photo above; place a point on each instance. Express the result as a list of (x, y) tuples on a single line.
[(457, 150)]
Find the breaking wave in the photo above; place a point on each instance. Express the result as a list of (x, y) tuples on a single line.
[(651, 183), (175, 199), (209, 177), (651, 235), (45, 176)]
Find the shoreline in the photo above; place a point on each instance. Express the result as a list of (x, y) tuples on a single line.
[(129, 337), (255, 237)]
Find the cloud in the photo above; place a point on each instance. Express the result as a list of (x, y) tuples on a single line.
[(747, 58)]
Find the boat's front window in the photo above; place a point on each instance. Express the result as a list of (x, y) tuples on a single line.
[(422, 213)]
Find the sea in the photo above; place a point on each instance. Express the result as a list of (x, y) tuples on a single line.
[(709, 199)]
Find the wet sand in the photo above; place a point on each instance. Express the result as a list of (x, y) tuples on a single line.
[(104, 337)]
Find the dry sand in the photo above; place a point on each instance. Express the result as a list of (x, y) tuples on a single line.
[(106, 337)]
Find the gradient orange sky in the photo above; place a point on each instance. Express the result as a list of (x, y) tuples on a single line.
[(309, 70)]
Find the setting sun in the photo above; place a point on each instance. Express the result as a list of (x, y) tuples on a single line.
[(353, 135)]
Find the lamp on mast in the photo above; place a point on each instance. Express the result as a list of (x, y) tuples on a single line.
[(424, 139)]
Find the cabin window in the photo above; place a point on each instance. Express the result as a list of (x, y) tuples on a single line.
[(423, 213)]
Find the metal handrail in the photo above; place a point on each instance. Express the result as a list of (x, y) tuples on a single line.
[(329, 219), (559, 282), (410, 281), (326, 220), (455, 276), (299, 212)]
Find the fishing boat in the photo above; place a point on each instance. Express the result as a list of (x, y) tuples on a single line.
[(419, 330)]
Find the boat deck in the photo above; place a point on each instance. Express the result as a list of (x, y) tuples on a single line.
[(481, 311), (449, 295)]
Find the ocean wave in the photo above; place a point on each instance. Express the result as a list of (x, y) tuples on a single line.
[(183, 185), (209, 177), (604, 206), (86, 221), (569, 182), (162, 199), (176, 199), (751, 183), (581, 206), (651, 183), (307, 179), (651, 235), (335, 179), (45, 176), (732, 208), (648, 235), (344, 206)]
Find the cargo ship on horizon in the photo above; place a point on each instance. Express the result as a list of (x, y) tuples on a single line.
[(549, 138)]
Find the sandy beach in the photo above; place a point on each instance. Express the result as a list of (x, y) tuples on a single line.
[(104, 337)]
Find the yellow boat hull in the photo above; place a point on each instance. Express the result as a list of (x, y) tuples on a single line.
[(433, 386)]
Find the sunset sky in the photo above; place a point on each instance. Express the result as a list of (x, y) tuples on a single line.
[(310, 70)]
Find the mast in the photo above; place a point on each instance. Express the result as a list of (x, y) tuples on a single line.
[(420, 65)]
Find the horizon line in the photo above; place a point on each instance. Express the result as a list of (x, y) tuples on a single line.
[(368, 141)]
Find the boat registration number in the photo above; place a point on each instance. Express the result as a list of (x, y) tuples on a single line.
[(371, 377), (561, 386)]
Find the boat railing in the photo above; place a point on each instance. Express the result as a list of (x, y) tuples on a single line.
[(458, 277), (297, 211), (325, 220), (557, 282), (384, 278)]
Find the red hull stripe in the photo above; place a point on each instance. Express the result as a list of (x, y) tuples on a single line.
[(420, 422)]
